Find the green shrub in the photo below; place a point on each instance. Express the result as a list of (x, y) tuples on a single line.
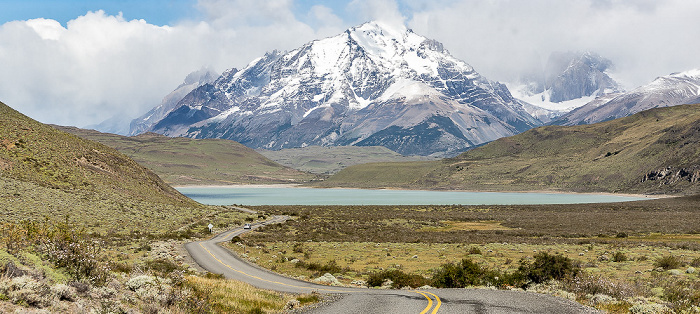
[(546, 267), (214, 276), (619, 257), (668, 262), (330, 267), (621, 235), (463, 274), (474, 250), (311, 298), (298, 248), (162, 266), (695, 262), (398, 277)]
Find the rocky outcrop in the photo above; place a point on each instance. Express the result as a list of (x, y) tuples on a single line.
[(571, 76), (671, 175)]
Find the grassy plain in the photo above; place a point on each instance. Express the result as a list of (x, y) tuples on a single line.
[(186, 161), (613, 156), (329, 160), (619, 246)]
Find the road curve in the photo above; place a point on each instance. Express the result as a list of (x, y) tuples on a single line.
[(214, 258)]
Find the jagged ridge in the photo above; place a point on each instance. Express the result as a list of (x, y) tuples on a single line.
[(341, 90)]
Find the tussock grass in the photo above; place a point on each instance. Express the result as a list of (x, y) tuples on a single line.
[(228, 296)]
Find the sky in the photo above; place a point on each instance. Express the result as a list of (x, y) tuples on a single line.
[(80, 62)]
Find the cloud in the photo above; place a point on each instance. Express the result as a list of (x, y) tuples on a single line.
[(503, 38), (99, 65), (386, 11)]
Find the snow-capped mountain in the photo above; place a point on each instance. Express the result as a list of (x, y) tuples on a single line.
[(670, 90), (192, 81), (374, 84), (569, 80)]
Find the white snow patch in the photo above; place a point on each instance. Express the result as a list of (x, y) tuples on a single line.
[(314, 108), (408, 88), (319, 97), (225, 114), (542, 99), (420, 65), (326, 53)]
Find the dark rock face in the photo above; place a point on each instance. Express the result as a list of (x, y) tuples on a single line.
[(670, 175), (170, 101), (372, 84), (573, 75), (583, 75)]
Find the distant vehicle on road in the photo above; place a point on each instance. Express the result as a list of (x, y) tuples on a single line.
[(246, 226)]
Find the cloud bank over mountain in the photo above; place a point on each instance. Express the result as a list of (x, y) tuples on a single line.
[(98, 66)]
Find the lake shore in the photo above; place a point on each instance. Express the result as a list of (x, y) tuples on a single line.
[(297, 185)]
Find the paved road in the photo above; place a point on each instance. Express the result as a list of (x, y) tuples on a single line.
[(212, 257)]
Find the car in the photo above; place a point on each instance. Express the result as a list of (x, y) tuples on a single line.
[(246, 226)]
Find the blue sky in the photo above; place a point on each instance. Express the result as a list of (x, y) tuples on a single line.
[(120, 57), (158, 12)]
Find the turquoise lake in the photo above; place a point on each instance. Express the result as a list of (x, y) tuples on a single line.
[(313, 196)]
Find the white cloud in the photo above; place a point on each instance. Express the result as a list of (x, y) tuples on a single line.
[(501, 38), (386, 11), (99, 65)]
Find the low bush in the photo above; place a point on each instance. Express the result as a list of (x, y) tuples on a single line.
[(586, 284), (668, 262), (398, 278), (309, 298), (546, 267), (330, 267), (619, 257), (695, 262), (463, 274)]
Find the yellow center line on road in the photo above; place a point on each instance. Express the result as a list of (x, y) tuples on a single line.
[(430, 302), (437, 299), (423, 293)]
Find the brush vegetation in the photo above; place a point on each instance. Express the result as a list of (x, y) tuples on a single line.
[(186, 161), (45, 172), (84, 228), (329, 160), (655, 151), (617, 257)]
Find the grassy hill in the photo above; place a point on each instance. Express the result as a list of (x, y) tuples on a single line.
[(186, 161), (45, 172), (655, 151), (330, 160)]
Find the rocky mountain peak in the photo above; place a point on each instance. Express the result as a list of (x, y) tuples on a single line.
[(665, 91), (374, 83)]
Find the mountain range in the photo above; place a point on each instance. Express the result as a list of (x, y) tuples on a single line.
[(371, 85), (381, 85), (567, 81), (665, 91)]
